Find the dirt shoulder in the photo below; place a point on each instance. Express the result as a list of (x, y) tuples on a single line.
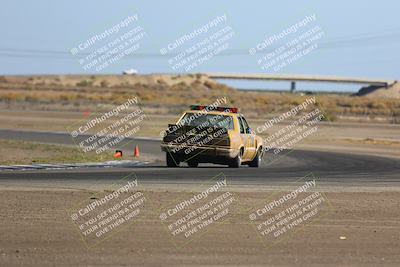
[(363, 228)]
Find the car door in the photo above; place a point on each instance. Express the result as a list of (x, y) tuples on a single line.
[(251, 148), (245, 138)]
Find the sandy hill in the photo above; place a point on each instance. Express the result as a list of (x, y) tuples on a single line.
[(392, 91), (111, 80)]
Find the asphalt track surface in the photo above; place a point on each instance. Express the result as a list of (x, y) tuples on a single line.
[(332, 168)]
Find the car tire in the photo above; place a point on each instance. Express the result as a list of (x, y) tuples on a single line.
[(193, 164), (237, 161), (171, 162), (256, 162)]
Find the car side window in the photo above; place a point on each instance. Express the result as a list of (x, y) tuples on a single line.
[(241, 126), (246, 126)]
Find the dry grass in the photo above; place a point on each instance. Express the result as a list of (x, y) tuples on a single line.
[(163, 94), (22, 152)]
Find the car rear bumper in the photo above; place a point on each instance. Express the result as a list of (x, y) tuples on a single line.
[(190, 151)]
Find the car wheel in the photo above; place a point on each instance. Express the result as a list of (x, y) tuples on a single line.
[(237, 161), (193, 164), (171, 162), (256, 162)]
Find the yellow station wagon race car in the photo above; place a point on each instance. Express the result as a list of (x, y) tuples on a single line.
[(207, 134)]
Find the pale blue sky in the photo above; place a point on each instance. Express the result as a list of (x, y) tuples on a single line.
[(362, 38)]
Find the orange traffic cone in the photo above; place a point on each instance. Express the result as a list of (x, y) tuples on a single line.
[(117, 154), (136, 151), (86, 113)]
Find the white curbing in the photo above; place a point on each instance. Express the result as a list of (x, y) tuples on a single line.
[(106, 164)]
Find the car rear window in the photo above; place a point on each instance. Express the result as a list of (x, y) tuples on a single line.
[(196, 119)]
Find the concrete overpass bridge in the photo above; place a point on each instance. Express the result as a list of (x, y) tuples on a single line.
[(302, 78)]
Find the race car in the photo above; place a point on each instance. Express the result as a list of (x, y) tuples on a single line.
[(208, 134)]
